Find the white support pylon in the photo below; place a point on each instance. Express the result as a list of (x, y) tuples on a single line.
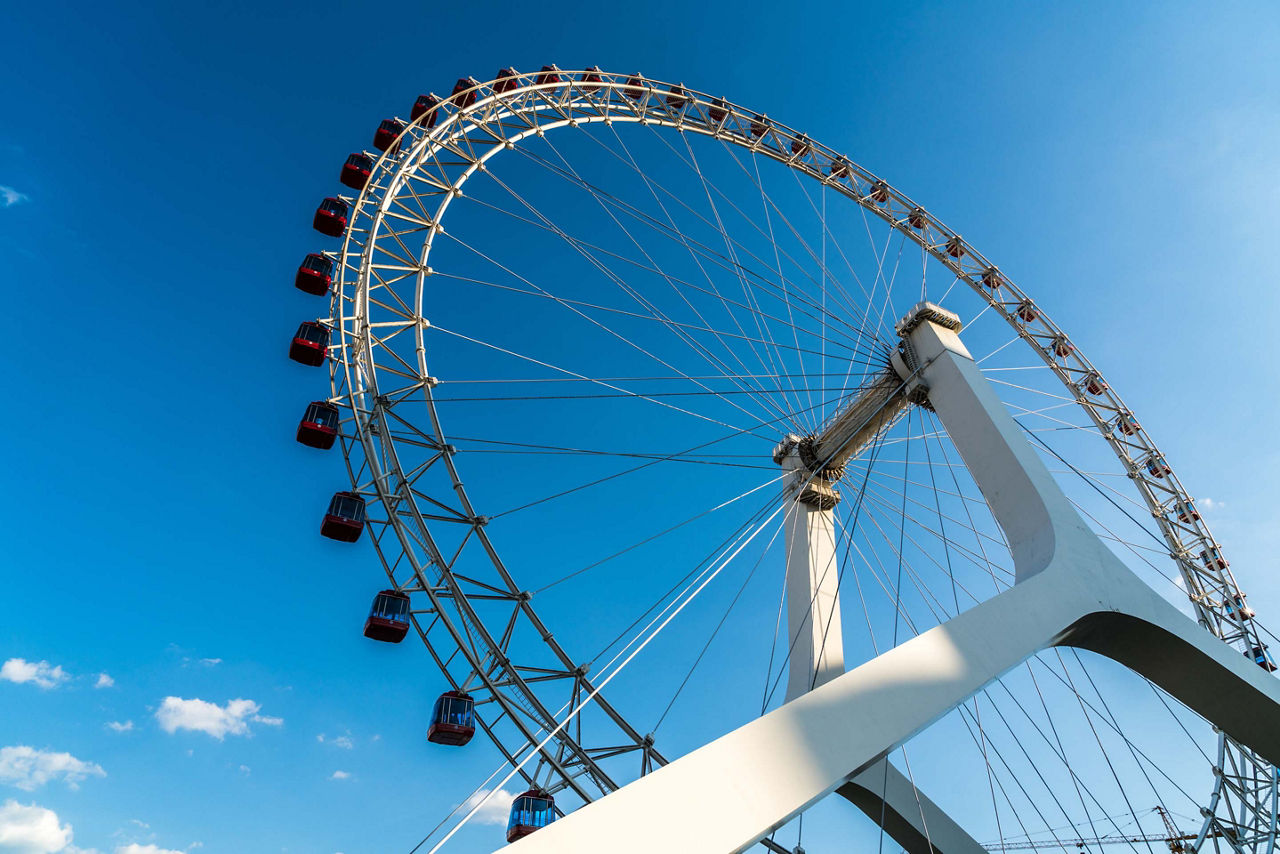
[(1070, 591)]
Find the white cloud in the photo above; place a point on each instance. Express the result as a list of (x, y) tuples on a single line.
[(29, 769), (135, 848), (104, 681), (245, 770), (343, 741), (43, 674), (118, 726), (339, 775), (10, 197), (496, 810), (234, 718), (210, 662), (1209, 505), (32, 830)]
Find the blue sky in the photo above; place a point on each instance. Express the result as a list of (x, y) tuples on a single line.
[(158, 169)]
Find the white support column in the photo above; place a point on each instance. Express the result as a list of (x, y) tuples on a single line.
[(1070, 591), (813, 596)]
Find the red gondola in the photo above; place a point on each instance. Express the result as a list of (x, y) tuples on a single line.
[(677, 97), (1157, 467), (1027, 311), (549, 74), (1259, 655), (531, 811), (345, 520), (590, 79), (424, 105), (1095, 384), (718, 111), (388, 617), (841, 168), (801, 145), (331, 217), (879, 192), (356, 171), (916, 219), (1062, 348), (315, 274), (464, 92), (453, 720), (955, 247), (991, 278), (1127, 424), (508, 79), (1236, 605), (319, 425), (1212, 557), (635, 87), (759, 125), (388, 132), (310, 344), (1187, 511)]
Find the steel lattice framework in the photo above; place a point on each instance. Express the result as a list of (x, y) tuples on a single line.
[(468, 623)]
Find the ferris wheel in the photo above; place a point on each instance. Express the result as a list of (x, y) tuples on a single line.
[(638, 389)]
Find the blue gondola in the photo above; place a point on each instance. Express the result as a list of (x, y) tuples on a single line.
[(1260, 657), (453, 720), (388, 617), (533, 810)]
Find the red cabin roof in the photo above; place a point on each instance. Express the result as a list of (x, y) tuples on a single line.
[(464, 92), (424, 105), (508, 79), (386, 134), (356, 171)]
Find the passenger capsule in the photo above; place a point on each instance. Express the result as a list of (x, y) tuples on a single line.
[(677, 97), (1259, 655), (1187, 512), (591, 79), (1127, 424), (718, 111), (759, 125), (801, 145), (426, 106), (508, 79), (991, 278), (916, 219), (315, 275), (549, 74), (356, 171), (878, 192), (1062, 348), (319, 425), (1027, 311), (1212, 557), (531, 811), (464, 92), (388, 617), (635, 87), (1157, 467), (331, 217), (388, 132), (1094, 384), (955, 247), (1237, 606), (453, 720), (841, 168), (345, 520), (310, 344)]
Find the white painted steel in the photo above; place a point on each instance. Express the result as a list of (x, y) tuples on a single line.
[(497, 121), (1071, 591)]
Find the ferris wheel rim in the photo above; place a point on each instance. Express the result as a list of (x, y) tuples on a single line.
[(898, 211)]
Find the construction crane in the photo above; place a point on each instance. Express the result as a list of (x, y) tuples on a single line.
[(1172, 837)]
